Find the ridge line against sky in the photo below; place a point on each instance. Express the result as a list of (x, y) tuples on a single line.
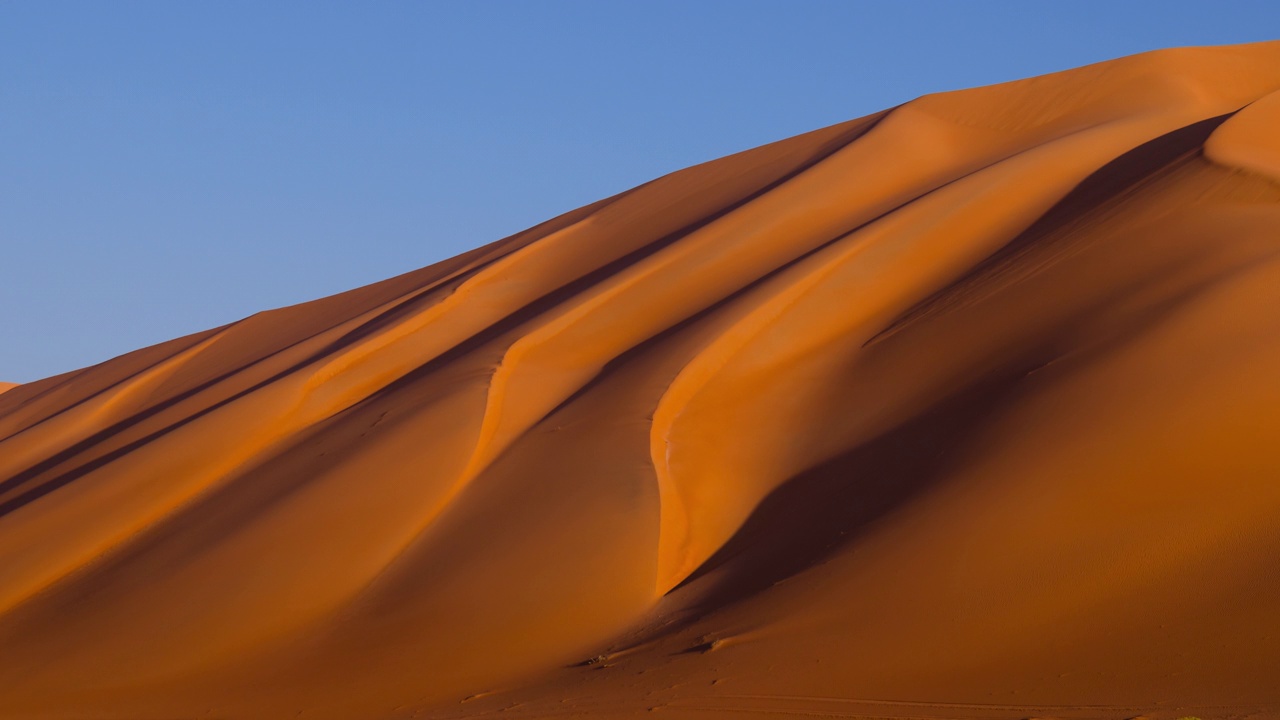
[(167, 168)]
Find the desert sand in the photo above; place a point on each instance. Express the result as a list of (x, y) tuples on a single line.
[(968, 408)]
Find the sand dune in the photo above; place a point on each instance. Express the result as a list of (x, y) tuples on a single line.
[(964, 409)]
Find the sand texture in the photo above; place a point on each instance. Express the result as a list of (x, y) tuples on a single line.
[(969, 408)]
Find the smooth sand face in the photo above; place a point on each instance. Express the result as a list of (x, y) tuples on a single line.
[(965, 409)]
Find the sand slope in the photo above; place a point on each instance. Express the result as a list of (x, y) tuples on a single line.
[(965, 409)]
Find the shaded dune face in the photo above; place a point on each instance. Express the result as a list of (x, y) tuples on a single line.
[(966, 408)]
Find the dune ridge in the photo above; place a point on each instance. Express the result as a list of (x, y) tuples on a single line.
[(962, 409)]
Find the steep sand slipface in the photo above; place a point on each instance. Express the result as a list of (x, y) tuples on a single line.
[(7, 386), (964, 409)]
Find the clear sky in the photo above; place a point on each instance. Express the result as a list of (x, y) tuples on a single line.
[(166, 167)]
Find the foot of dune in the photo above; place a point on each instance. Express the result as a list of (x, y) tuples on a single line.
[(968, 408)]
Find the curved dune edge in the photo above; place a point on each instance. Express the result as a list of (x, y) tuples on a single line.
[(1249, 140), (962, 409)]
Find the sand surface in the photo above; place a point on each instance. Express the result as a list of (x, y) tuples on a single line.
[(965, 409)]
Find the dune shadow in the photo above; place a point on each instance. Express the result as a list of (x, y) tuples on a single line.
[(1106, 187), (811, 516)]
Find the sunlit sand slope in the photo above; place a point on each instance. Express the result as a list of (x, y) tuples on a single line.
[(969, 408)]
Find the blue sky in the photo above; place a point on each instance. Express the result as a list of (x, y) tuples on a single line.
[(171, 166)]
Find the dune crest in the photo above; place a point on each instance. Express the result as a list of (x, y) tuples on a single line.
[(963, 409)]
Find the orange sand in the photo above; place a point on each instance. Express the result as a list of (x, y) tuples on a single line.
[(965, 409)]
